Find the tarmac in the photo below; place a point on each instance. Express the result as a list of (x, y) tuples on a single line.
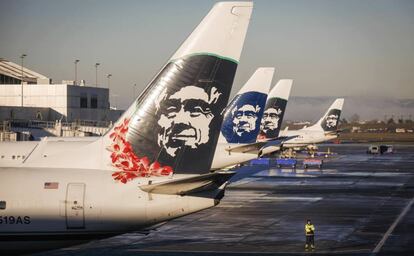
[(360, 204)]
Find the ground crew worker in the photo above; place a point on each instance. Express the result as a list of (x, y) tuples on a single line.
[(310, 235)]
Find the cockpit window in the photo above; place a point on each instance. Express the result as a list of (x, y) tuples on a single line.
[(2, 205)]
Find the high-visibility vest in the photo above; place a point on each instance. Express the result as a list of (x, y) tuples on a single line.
[(309, 229)]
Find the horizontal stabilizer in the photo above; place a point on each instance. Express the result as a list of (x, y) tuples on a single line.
[(336, 132), (209, 181), (255, 148)]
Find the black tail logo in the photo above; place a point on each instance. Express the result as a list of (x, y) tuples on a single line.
[(272, 118), (330, 122), (178, 117)]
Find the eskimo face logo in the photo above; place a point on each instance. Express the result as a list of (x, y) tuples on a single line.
[(270, 120), (331, 121), (177, 118), (185, 118), (244, 119)]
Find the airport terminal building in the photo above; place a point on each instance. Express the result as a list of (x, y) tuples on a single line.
[(26, 94)]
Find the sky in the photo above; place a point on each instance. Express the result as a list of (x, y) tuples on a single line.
[(330, 48)]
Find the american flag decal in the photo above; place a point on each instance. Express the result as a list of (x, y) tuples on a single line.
[(51, 185)]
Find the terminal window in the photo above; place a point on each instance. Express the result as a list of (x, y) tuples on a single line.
[(94, 101), (84, 100)]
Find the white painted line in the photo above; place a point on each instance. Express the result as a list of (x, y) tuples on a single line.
[(246, 252), (243, 181), (392, 227)]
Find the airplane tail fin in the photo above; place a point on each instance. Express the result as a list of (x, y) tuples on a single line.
[(330, 120), (177, 118), (241, 122), (275, 110)]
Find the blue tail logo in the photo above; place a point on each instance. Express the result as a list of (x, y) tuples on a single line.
[(242, 117)]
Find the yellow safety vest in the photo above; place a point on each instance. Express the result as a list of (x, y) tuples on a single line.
[(309, 229)]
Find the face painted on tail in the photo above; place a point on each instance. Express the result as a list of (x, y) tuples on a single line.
[(175, 123), (185, 118), (242, 117), (245, 118), (272, 118), (330, 123)]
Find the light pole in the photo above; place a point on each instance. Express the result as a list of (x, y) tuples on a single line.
[(109, 88), (76, 71), (96, 74), (109, 81), (22, 57)]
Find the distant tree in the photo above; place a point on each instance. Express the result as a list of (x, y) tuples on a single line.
[(354, 118), (390, 121), (400, 121), (344, 121), (408, 121)]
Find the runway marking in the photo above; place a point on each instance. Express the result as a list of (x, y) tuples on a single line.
[(392, 227)]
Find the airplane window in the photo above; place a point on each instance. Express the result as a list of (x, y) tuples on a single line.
[(13, 157), (2, 156), (2, 205)]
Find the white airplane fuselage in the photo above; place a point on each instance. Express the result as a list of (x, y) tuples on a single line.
[(64, 202), (306, 137), (14, 154), (53, 202)]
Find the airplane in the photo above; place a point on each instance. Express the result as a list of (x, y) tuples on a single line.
[(323, 130), (236, 153), (152, 166)]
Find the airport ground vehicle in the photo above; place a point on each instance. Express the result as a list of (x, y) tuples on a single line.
[(381, 149), (373, 149), (261, 161), (286, 162), (386, 149), (312, 162)]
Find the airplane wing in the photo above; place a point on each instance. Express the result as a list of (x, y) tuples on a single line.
[(257, 146), (209, 181), (336, 132)]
